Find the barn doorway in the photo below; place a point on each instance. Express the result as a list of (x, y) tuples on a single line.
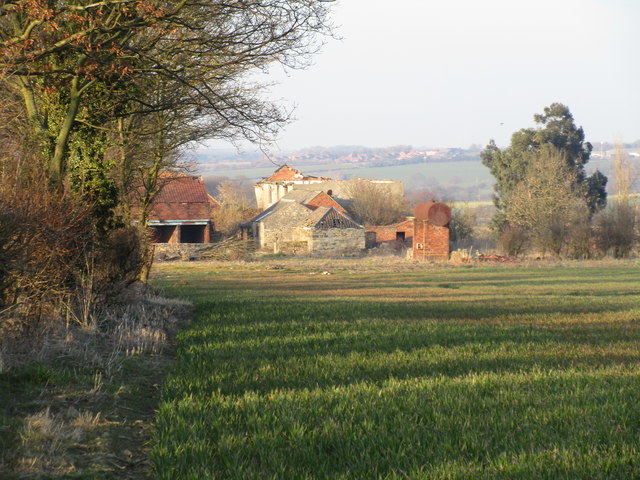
[(192, 234)]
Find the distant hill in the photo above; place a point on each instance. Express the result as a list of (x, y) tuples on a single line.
[(340, 155), (450, 173)]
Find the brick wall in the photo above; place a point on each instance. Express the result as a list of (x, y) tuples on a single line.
[(385, 233), (429, 241), (390, 233)]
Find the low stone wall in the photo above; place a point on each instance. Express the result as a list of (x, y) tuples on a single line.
[(179, 251), (337, 242)]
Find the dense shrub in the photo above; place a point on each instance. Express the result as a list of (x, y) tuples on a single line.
[(53, 260), (43, 240), (615, 230), (119, 260), (513, 241)]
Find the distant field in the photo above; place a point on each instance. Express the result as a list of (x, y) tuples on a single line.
[(387, 369), (469, 175), (443, 171), (459, 181)]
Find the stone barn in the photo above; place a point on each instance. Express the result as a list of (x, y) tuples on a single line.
[(181, 212), (306, 222)]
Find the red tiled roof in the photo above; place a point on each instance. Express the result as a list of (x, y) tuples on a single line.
[(288, 174), (180, 211), (187, 189), (285, 174), (324, 200), (182, 198)]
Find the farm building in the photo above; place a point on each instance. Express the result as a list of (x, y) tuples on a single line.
[(431, 231), (399, 235), (306, 222), (181, 212), (285, 225), (426, 233), (286, 179)]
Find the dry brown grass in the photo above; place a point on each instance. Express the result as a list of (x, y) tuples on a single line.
[(46, 440), (86, 406)]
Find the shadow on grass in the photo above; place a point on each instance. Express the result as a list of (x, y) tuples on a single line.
[(262, 346), (277, 381)]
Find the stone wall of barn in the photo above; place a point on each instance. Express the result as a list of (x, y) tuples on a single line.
[(273, 237), (337, 242)]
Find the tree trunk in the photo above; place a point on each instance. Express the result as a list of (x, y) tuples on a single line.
[(57, 162)]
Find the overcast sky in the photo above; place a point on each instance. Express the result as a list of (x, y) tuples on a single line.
[(451, 73)]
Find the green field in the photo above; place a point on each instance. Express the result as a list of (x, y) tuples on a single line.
[(398, 370), (465, 171), (467, 176)]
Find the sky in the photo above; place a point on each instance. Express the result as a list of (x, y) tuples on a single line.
[(452, 73)]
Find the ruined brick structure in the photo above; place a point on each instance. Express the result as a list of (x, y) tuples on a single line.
[(426, 234), (398, 234), (431, 231)]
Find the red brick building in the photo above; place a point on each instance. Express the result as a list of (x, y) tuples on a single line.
[(181, 212), (431, 231), (400, 235), (427, 233)]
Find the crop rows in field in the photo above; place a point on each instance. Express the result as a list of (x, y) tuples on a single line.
[(448, 373)]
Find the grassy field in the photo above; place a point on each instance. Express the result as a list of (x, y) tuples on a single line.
[(387, 370), (464, 175)]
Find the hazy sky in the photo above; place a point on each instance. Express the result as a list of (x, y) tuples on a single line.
[(451, 73)]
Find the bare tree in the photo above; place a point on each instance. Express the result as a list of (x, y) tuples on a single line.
[(375, 204), (625, 173), (616, 226), (73, 61), (548, 202), (235, 208)]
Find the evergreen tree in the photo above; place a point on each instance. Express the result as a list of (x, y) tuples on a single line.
[(557, 129)]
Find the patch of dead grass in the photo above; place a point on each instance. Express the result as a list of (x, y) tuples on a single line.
[(89, 408)]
